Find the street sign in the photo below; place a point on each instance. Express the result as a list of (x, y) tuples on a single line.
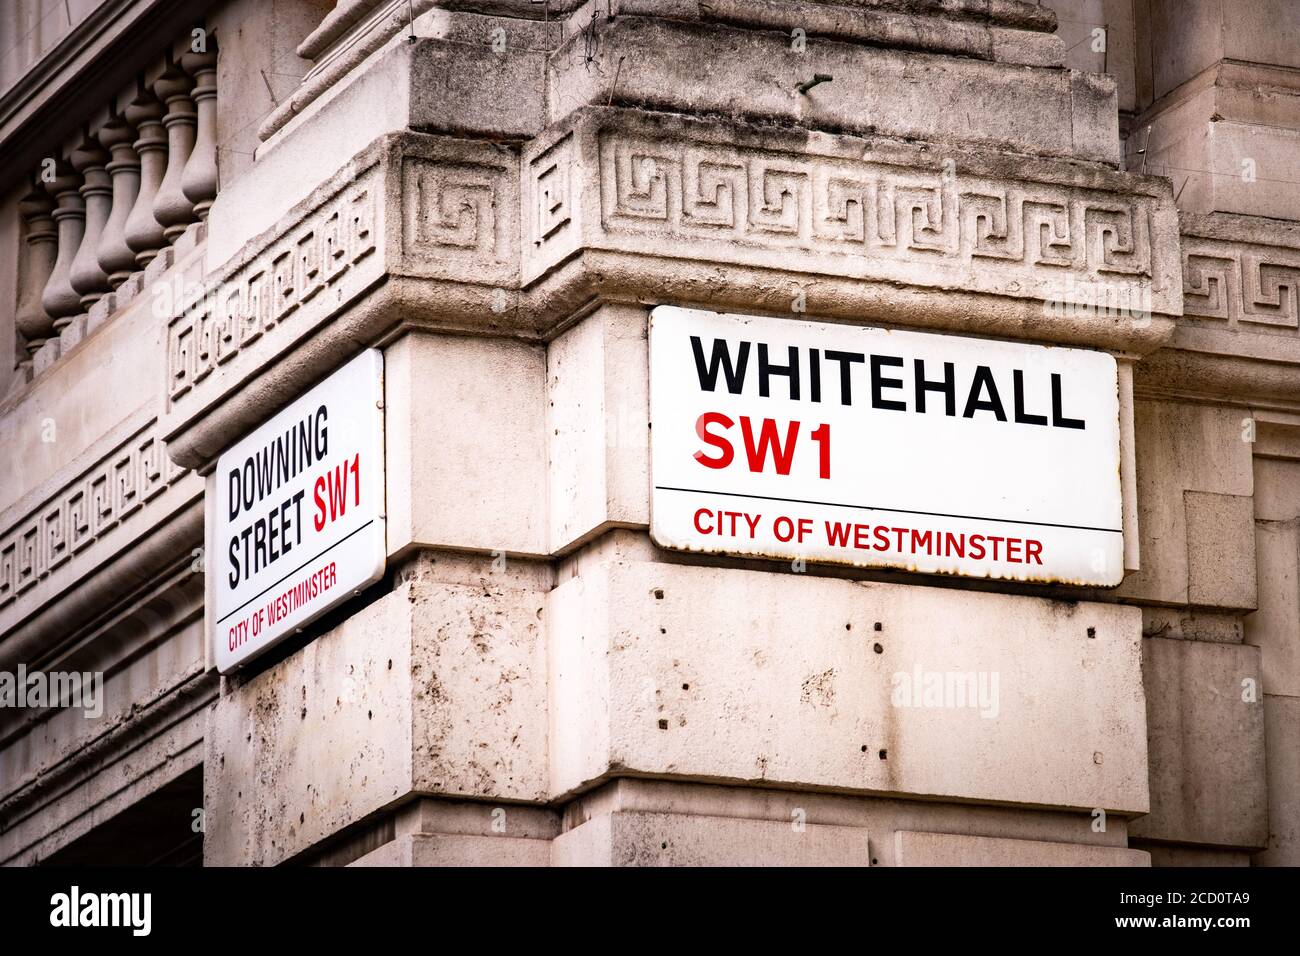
[(296, 523), (826, 442)]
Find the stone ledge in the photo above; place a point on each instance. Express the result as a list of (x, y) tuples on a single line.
[(1044, 111), (636, 838), (656, 668), (957, 849), (1008, 32)]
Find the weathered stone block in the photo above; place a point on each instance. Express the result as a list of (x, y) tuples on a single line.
[(1173, 855), (100, 311), (876, 90), (45, 356), (631, 838), (438, 687), (1185, 448), (500, 94), (598, 428), (1206, 744), (458, 849), (466, 444), (729, 674), (954, 849), (1282, 731), (1275, 627), (1220, 550)]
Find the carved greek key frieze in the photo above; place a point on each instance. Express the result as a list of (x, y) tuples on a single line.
[(85, 510), (459, 214), (550, 188), (831, 205), (1239, 283), (448, 205), (290, 272)]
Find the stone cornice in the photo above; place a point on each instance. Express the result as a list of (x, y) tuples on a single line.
[(1238, 340), (613, 204), (822, 204), (1013, 32), (169, 709), (59, 545)]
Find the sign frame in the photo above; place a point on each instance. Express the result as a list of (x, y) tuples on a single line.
[(324, 480), (860, 542)]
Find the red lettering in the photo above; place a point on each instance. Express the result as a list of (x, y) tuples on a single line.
[(338, 491), (725, 452), (822, 436), (768, 437), (838, 534), (319, 489)]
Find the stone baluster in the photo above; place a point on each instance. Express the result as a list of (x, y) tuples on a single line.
[(144, 233), (170, 207), (115, 257), (200, 180), (32, 320), (61, 301), (88, 279)]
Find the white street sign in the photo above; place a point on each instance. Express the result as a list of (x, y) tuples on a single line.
[(935, 453), (296, 525)]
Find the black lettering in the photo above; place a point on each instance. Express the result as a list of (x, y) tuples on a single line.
[(282, 457), (846, 360), (234, 493), (272, 532), (878, 383), (721, 356), (948, 387), (984, 380), (322, 433), (1022, 417), (259, 544), (233, 577), (296, 501), (766, 369), (249, 471), (1058, 416)]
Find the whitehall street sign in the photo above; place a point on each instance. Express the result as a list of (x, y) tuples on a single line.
[(935, 453), (296, 525)]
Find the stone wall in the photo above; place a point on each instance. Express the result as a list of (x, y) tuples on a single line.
[(495, 194)]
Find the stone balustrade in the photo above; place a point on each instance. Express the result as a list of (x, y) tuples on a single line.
[(99, 215)]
